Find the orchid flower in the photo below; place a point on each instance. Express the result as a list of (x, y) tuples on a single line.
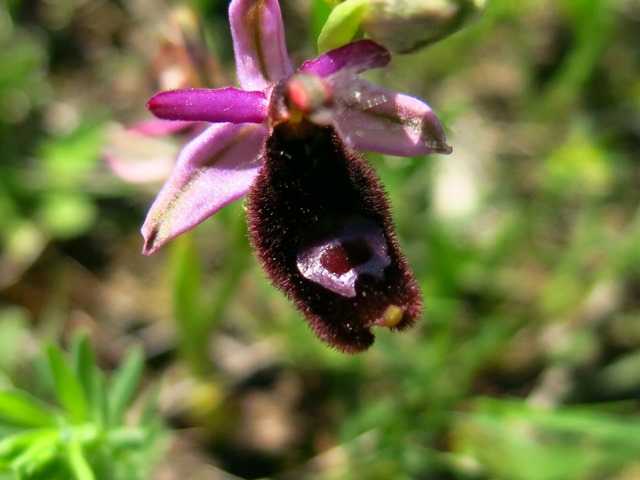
[(318, 216)]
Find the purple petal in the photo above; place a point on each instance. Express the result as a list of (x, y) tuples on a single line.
[(357, 57), (213, 170), (373, 118), (258, 43), (210, 105)]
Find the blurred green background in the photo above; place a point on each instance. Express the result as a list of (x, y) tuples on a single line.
[(525, 242)]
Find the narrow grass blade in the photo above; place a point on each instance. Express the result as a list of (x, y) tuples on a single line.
[(68, 388), (124, 384), (20, 408), (78, 462), (84, 363)]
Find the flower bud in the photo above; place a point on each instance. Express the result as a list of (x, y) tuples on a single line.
[(406, 25), (402, 26)]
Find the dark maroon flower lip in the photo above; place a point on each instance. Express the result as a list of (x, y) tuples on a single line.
[(320, 224)]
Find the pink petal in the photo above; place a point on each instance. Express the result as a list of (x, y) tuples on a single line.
[(213, 170), (139, 158), (373, 118), (157, 128), (357, 57), (258, 43), (140, 170), (210, 105)]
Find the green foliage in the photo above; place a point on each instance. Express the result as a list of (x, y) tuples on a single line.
[(342, 25), (49, 153), (82, 434), (199, 305), (537, 443), (320, 10)]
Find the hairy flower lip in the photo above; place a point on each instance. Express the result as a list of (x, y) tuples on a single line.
[(327, 196)]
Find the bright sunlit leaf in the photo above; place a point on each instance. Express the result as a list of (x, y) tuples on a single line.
[(343, 25), (20, 408), (124, 384), (68, 388)]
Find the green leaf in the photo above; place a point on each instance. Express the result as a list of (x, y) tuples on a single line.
[(320, 12), (127, 439), (67, 214), (187, 274), (124, 384), (99, 408), (84, 362), (91, 378), (188, 307), (532, 443), (14, 323), (78, 462), (68, 160), (14, 445), (342, 25), (20, 408), (149, 415), (68, 388), (37, 456)]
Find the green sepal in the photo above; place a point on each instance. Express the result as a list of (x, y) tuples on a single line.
[(343, 25)]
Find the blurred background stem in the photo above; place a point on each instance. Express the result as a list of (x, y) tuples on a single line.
[(200, 306)]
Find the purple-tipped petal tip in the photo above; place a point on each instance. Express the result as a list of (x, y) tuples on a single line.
[(213, 170), (373, 118)]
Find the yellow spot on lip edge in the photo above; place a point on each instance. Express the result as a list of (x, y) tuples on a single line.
[(391, 317)]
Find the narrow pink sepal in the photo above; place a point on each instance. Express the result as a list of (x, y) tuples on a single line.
[(136, 170), (158, 128), (213, 170), (136, 157), (210, 105), (356, 57), (373, 118), (258, 43)]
